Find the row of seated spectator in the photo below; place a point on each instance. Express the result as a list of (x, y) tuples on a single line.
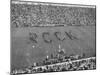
[(28, 15), (86, 64), (71, 63)]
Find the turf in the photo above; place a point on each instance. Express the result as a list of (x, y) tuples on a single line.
[(23, 54)]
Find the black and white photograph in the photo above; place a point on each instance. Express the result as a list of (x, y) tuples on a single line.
[(52, 37)]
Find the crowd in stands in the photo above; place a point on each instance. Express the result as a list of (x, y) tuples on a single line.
[(27, 15), (60, 62)]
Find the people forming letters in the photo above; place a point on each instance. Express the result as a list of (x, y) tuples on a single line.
[(47, 39)]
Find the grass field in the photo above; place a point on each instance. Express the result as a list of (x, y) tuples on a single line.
[(24, 52)]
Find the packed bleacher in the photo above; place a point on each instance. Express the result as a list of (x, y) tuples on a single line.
[(49, 14), (59, 62)]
